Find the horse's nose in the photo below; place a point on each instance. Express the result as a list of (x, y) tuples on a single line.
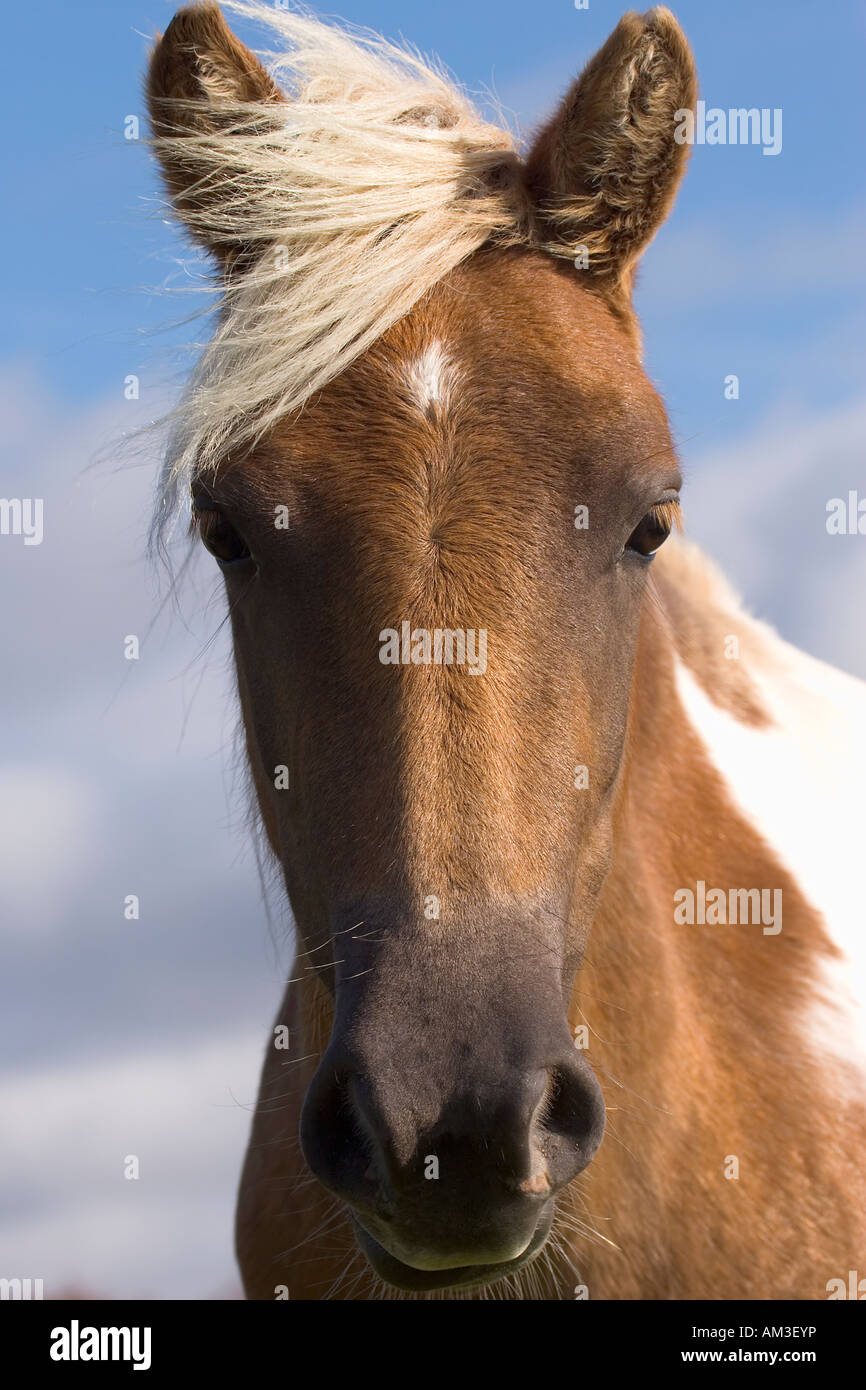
[(460, 1179)]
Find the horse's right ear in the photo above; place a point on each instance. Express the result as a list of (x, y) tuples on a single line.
[(603, 172), (203, 87)]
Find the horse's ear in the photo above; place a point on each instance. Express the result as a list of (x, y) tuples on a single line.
[(203, 87), (604, 171)]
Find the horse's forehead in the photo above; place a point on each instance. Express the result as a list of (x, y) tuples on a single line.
[(509, 388), (511, 346), (511, 312)]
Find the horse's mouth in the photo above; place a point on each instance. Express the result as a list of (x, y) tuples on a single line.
[(411, 1280)]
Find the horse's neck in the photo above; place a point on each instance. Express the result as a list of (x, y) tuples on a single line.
[(747, 760), (745, 765), (706, 1036)]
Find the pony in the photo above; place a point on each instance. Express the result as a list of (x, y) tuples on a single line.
[(562, 871)]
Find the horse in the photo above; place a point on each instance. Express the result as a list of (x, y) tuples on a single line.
[(570, 839)]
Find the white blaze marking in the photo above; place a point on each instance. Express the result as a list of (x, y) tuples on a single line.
[(430, 377), (802, 785)]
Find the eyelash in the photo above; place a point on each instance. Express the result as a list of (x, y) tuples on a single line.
[(654, 528)]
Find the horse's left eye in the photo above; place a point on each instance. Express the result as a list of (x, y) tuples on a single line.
[(653, 530), (218, 535)]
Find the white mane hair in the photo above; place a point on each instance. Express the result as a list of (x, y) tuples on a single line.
[(351, 199)]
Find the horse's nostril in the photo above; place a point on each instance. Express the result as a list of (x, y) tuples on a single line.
[(333, 1140), (571, 1122)]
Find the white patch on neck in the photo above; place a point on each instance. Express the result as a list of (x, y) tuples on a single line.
[(802, 785), (430, 378)]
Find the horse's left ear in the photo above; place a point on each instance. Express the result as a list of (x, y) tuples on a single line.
[(203, 83), (604, 171)]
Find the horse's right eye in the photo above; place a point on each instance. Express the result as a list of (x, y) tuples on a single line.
[(653, 530), (224, 542)]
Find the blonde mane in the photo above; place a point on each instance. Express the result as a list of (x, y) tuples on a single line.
[(352, 198)]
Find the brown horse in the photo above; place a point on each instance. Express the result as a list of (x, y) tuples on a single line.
[(564, 832)]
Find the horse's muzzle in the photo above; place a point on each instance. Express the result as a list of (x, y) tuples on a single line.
[(453, 1184), (413, 1280)]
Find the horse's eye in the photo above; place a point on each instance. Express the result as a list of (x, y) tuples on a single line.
[(220, 537), (653, 530)]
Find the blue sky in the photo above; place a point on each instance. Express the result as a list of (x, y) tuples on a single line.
[(117, 778), (86, 241)]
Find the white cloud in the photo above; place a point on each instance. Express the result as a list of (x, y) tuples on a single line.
[(49, 825), (759, 505), (113, 780), (67, 1131)]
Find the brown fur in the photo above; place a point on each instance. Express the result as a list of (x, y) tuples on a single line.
[(701, 1058), (702, 617), (699, 1054)]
